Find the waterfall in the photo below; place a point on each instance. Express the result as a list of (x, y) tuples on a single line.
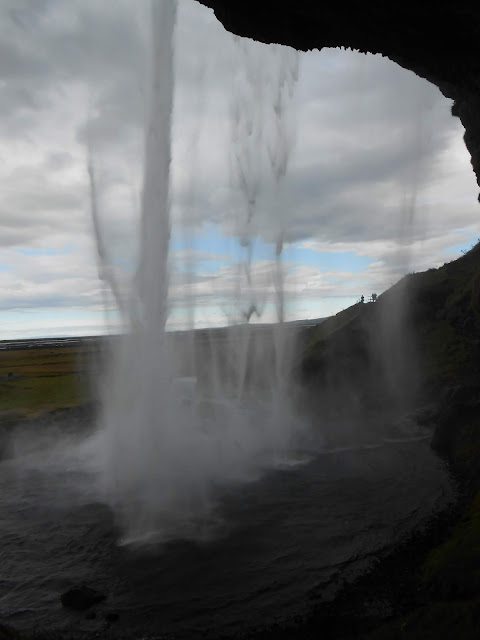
[(184, 417)]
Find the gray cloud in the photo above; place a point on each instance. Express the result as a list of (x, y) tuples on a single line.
[(371, 139)]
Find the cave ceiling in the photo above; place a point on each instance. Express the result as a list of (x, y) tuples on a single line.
[(438, 41)]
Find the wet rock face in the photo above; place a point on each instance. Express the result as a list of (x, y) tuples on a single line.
[(81, 598), (439, 42)]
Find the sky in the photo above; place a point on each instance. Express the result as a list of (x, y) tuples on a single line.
[(379, 182)]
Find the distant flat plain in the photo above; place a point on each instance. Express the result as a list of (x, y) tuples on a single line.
[(37, 376)]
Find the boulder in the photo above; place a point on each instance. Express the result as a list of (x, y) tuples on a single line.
[(81, 598), (112, 616)]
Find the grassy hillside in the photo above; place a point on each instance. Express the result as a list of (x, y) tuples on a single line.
[(421, 337), (447, 588)]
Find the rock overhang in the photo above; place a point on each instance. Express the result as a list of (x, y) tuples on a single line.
[(439, 42)]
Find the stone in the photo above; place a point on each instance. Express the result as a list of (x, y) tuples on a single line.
[(81, 598), (111, 616)]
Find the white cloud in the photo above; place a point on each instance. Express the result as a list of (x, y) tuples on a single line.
[(372, 140)]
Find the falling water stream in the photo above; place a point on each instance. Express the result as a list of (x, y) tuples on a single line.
[(202, 504), (168, 455)]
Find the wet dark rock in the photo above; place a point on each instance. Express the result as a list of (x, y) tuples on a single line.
[(81, 598), (426, 415), (112, 616), (457, 430), (8, 633)]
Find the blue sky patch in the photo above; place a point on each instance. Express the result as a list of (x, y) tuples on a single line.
[(228, 250), (463, 247), (44, 251), (328, 260)]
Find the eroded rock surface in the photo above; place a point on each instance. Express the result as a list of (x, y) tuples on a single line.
[(81, 598)]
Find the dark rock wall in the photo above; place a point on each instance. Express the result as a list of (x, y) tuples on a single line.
[(437, 41), (427, 364)]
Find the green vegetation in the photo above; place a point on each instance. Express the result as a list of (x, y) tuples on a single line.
[(450, 579), (36, 380), (329, 326), (443, 309), (437, 621), (448, 312), (453, 568)]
